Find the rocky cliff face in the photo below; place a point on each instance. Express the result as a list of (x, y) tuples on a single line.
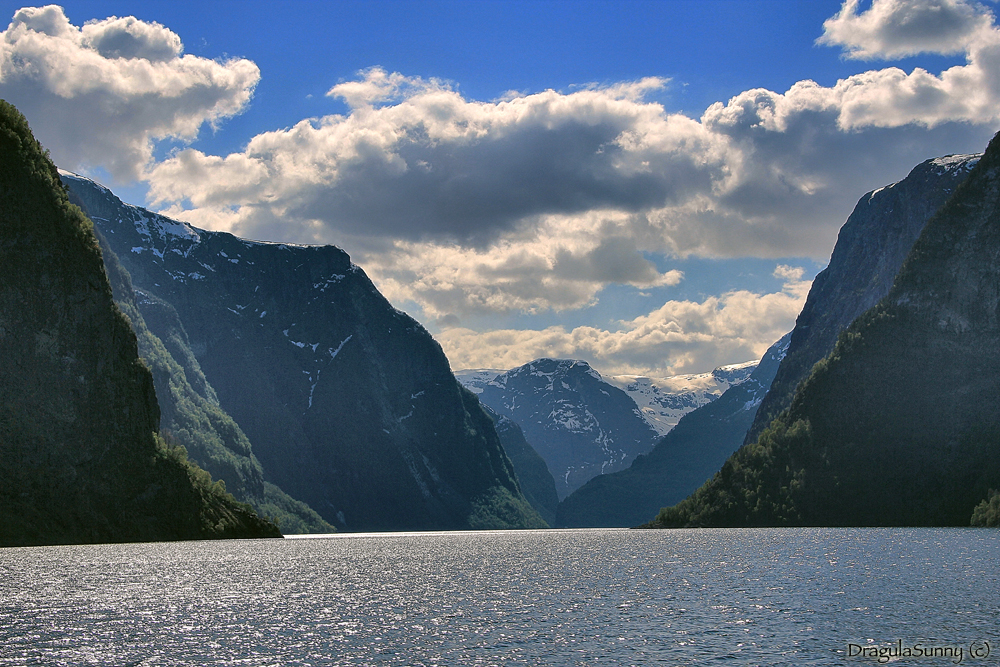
[(349, 403), (78, 415), (900, 424), (579, 424), (190, 415), (870, 250), (681, 460)]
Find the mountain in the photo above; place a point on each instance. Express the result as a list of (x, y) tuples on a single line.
[(79, 455), (190, 415), (536, 481), (900, 423), (870, 250), (349, 403), (579, 424), (474, 379), (663, 401), (679, 462)]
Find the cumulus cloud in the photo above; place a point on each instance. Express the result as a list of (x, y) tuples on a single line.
[(679, 337), (435, 165), (101, 95), (766, 173), (535, 201), (898, 28), (569, 261)]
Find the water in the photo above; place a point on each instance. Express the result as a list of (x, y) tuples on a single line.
[(581, 597)]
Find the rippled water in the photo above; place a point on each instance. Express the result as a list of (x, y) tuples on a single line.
[(580, 597)]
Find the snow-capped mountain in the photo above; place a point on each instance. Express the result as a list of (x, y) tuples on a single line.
[(581, 425), (663, 401), (681, 460), (474, 379), (349, 403)]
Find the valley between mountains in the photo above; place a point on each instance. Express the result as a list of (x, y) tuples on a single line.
[(168, 382)]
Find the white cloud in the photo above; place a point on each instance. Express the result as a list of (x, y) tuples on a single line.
[(100, 95), (414, 162), (535, 201), (563, 266), (892, 29), (433, 165), (679, 337)]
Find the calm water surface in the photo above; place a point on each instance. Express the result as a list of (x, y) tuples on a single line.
[(580, 597)]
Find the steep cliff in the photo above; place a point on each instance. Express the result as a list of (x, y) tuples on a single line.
[(349, 403), (900, 424), (79, 455), (190, 415), (533, 475), (870, 250)]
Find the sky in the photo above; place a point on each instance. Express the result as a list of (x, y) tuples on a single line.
[(647, 185)]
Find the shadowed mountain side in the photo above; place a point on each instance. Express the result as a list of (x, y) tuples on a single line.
[(680, 462), (190, 415), (79, 456), (349, 403), (870, 250), (536, 481), (900, 424)]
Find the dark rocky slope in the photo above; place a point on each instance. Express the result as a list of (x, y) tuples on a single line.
[(79, 456), (870, 250), (190, 415), (900, 424), (349, 403), (533, 475)]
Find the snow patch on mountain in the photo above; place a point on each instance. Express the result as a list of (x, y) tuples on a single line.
[(664, 400), (474, 379)]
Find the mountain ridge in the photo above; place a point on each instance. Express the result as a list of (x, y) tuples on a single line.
[(679, 461), (911, 388), (349, 403)]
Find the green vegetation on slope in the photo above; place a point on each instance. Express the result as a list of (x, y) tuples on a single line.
[(79, 454), (987, 513), (190, 413), (900, 424)]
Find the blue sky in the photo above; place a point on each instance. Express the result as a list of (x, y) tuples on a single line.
[(646, 185)]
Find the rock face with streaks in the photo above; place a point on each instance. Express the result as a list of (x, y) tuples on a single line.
[(870, 250), (349, 403)]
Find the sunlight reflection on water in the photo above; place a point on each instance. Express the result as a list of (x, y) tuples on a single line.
[(754, 596)]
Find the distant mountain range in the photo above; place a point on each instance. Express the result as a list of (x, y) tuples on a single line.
[(580, 425), (663, 401), (680, 461)]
